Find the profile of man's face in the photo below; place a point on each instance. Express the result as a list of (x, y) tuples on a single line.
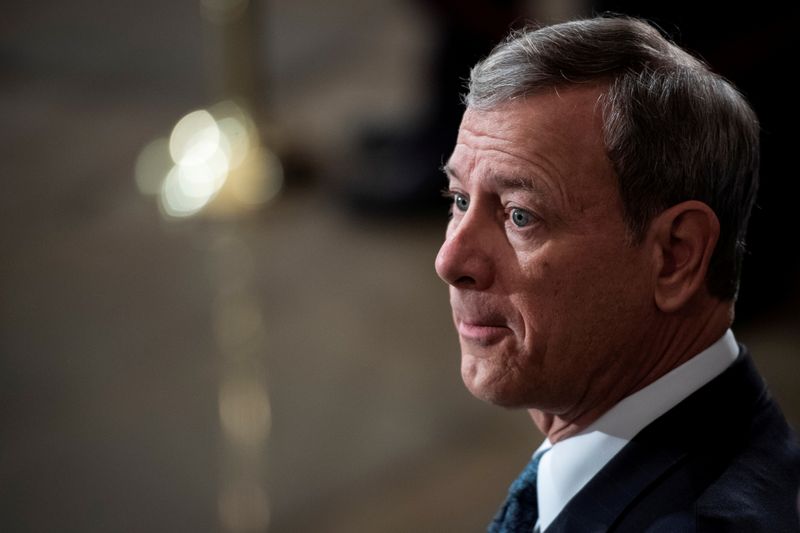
[(547, 292)]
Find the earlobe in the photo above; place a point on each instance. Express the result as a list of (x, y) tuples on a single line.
[(685, 236)]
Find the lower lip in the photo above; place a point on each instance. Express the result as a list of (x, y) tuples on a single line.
[(482, 334)]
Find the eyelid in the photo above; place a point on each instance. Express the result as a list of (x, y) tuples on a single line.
[(511, 205), (451, 190)]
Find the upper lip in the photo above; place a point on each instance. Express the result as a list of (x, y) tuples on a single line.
[(471, 310)]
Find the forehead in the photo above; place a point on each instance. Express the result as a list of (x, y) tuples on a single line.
[(551, 141)]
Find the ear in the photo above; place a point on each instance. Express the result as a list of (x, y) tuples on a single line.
[(684, 237)]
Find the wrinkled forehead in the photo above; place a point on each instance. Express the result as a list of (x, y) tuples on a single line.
[(550, 142), (563, 125)]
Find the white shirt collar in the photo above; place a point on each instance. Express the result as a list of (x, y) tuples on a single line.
[(571, 463)]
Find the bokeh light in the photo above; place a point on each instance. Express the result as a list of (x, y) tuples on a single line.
[(213, 159), (194, 138)]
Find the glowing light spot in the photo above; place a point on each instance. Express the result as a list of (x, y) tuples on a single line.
[(205, 179), (194, 138), (152, 166), (243, 506), (185, 192), (201, 165), (172, 200), (244, 411), (213, 159)]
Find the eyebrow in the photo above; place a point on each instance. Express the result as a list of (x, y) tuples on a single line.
[(524, 184), (448, 171), (506, 182)]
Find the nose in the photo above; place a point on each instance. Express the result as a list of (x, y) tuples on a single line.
[(465, 259)]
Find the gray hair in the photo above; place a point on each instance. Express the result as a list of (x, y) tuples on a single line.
[(673, 130)]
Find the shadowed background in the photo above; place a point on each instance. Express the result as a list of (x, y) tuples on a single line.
[(232, 322)]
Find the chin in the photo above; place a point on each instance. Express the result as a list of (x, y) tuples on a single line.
[(495, 385)]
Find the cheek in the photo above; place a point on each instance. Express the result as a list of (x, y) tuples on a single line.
[(542, 292), (559, 297), (604, 299)]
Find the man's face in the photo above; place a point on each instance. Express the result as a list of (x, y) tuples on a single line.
[(548, 295)]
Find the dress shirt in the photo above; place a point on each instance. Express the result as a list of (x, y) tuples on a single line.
[(571, 463)]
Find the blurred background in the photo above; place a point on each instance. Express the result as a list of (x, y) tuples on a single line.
[(218, 308)]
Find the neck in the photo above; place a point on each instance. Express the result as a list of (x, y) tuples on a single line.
[(675, 340)]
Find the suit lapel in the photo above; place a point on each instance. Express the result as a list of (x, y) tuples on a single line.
[(598, 505), (685, 448)]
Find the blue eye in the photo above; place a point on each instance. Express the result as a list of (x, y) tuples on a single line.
[(460, 201), (521, 218)]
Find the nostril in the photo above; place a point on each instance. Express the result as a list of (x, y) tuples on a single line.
[(464, 281)]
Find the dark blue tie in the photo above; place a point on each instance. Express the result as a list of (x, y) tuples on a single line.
[(521, 509)]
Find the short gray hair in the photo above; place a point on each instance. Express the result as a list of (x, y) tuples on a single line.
[(673, 130)]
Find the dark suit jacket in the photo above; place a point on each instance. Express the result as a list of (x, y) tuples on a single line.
[(724, 459)]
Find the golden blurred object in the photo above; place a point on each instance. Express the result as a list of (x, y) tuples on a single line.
[(213, 163)]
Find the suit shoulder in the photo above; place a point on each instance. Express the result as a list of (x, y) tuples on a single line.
[(757, 492)]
